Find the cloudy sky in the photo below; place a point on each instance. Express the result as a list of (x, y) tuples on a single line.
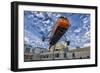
[(38, 24)]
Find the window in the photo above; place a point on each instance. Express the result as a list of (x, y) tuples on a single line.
[(57, 55), (64, 55)]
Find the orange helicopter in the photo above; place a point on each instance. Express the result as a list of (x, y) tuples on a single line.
[(60, 27)]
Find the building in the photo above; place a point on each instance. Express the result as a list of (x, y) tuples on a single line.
[(79, 53), (58, 52)]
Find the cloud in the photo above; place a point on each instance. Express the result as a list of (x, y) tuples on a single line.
[(38, 24), (77, 30)]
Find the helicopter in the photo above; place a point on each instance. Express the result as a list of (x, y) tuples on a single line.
[(59, 28)]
